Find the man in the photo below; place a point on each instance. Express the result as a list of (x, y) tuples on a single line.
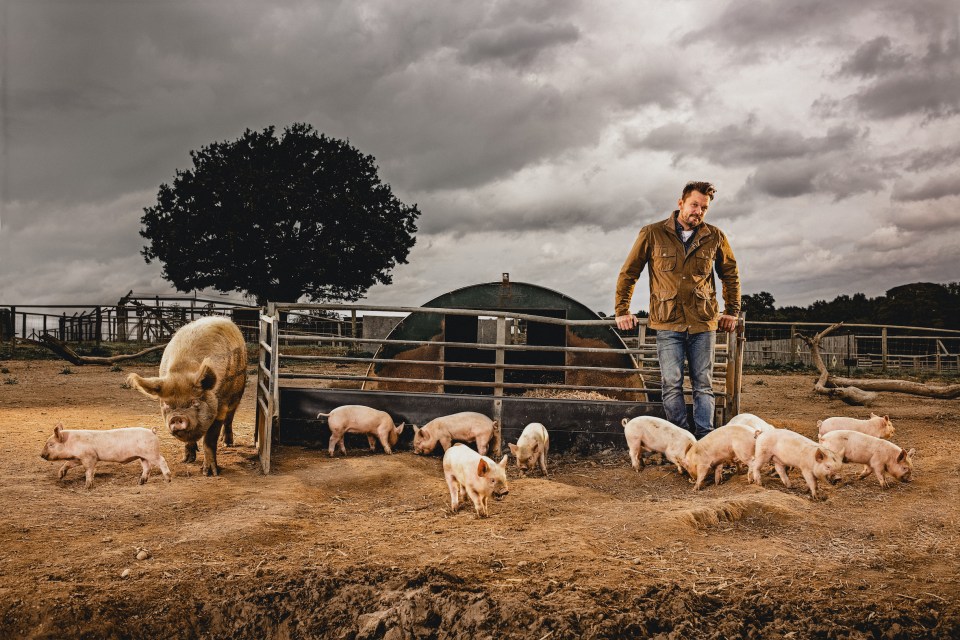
[(682, 253)]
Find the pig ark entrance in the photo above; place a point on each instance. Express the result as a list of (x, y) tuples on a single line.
[(475, 329)]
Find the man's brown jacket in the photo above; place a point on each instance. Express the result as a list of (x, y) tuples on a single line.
[(683, 296)]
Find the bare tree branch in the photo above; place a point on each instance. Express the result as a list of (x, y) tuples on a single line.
[(63, 350), (849, 394)]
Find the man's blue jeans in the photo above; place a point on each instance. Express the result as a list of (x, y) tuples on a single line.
[(673, 348)]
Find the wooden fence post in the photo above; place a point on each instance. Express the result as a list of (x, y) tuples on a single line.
[(793, 344), (883, 349)]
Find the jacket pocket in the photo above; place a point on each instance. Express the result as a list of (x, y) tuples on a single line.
[(664, 258), (703, 265), (664, 307), (706, 305)]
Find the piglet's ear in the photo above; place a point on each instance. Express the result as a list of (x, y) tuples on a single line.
[(820, 455), (503, 462), (206, 376), (911, 452), (400, 428), (56, 432), (903, 454), (482, 468), (513, 448)]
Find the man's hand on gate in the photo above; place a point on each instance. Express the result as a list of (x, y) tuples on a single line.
[(627, 322), (727, 323)]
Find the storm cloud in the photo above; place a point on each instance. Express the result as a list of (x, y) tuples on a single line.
[(535, 137)]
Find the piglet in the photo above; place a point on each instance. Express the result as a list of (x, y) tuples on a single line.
[(469, 474), (466, 426), (649, 433), (877, 426), (750, 420), (727, 444), (532, 447), (787, 448), (877, 455), (356, 418), (87, 447)]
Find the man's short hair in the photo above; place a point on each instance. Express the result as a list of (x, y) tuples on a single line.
[(705, 188)]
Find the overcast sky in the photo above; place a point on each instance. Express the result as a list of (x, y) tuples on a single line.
[(537, 137)]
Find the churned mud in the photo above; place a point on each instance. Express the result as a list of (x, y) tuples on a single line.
[(365, 546)]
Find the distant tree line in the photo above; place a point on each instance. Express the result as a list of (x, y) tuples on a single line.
[(921, 304)]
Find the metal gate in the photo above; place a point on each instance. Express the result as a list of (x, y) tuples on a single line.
[(417, 378)]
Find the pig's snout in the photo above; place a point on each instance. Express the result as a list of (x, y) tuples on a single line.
[(499, 495), (45, 454), (178, 423)]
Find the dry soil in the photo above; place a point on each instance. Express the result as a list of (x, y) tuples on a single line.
[(366, 547)]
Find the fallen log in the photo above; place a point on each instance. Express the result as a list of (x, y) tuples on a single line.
[(862, 391), (902, 386), (63, 350)]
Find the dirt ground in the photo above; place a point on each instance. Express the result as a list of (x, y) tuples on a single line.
[(366, 547)]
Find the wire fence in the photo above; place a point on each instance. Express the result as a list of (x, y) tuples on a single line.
[(149, 322), (142, 321), (855, 347)]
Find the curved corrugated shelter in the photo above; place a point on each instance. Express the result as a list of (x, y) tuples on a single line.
[(517, 297)]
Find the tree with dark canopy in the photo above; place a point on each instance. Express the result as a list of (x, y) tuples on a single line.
[(279, 218)]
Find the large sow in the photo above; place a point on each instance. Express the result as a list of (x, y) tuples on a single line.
[(202, 375)]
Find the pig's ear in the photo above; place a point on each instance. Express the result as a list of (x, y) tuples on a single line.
[(482, 468), (503, 462), (623, 422), (513, 448), (819, 455), (56, 432), (416, 429), (687, 448), (911, 452), (206, 376), (149, 387), (400, 428), (886, 418)]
